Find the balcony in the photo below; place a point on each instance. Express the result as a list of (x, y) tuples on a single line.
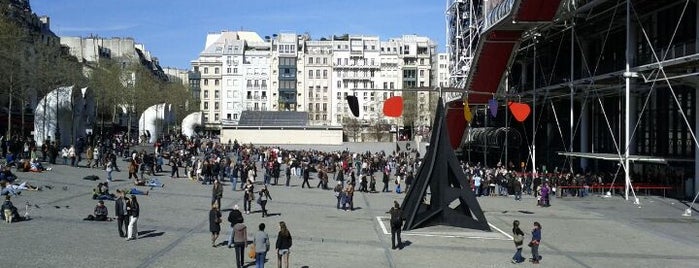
[(287, 76)]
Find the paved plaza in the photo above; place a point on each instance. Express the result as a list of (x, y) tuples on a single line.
[(589, 232)]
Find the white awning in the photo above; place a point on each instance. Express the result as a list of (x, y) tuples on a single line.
[(633, 158)]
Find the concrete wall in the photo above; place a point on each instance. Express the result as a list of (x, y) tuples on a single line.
[(256, 135)]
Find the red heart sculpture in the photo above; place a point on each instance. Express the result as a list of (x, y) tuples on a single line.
[(393, 106), (520, 110)]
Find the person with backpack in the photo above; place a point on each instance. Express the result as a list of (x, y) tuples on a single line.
[(396, 225)]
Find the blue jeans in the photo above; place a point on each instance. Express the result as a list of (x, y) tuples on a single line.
[(260, 259), (518, 256), (234, 181)]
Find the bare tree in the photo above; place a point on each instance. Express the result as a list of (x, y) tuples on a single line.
[(352, 127), (13, 64), (379, 129)]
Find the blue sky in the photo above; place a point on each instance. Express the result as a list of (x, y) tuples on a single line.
[(175, 30)]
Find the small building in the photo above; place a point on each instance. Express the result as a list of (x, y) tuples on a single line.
[(279, 127)]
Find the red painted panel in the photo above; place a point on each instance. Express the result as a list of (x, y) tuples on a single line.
[(456, 124), (537, 10), (504, 36), (490, 67)]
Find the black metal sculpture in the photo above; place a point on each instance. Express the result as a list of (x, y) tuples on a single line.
[(439, 183)]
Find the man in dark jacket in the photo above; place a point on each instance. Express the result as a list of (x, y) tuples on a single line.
[(396, 225), (120, 211), (234, 217)]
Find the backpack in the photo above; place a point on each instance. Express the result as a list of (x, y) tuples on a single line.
[(396, 217)]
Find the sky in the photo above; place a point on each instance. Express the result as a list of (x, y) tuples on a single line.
[(175, 31)]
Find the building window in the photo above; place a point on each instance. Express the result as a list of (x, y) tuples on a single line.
[(310, 60), (216, 70), (422, 73), (339, 84), (325, 60), (325, 74), (216, 117), (216, 82), (206, 105), (235, 70), (392, 85), (310, 74), (217, 94), (206, 118), (216, 106), (206, 70), (228, 70), (385, 85), (206, 82), (228, 116), (206, 94)]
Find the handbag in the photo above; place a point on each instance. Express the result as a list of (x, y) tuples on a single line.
[(252, 252), (518, 239)]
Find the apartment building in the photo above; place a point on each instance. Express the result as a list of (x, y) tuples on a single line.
[(291, 72), (317, 81)]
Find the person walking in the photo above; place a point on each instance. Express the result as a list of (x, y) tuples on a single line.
[(234, 217), (89, 154), (248, 196), (133, 209), (262, 200), (338, 193), (287, 172), (534, 244), (261, 242), (518, 237), (109, 170), (396, 225), (214, 223), (306, 176), (240, 240), (217, 193), (121, 214), (283, 245)]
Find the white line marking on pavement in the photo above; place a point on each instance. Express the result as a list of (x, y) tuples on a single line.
[(427, 234), (506, 234), (383, 227)]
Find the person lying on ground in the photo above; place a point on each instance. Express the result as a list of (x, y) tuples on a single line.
[(135, 191), (16, 189), (149, 182), (100, 214)]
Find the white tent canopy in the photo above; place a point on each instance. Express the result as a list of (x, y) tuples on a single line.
[(154, 119), (64, 113), (190, 122)]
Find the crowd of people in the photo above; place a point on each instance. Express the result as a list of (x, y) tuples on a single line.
[(254, 170)]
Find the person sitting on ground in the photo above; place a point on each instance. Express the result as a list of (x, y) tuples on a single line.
[(10, 159), (36, 166), (16, 189), (102, 192), (101, 213), (10, 213), (6, 175)]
